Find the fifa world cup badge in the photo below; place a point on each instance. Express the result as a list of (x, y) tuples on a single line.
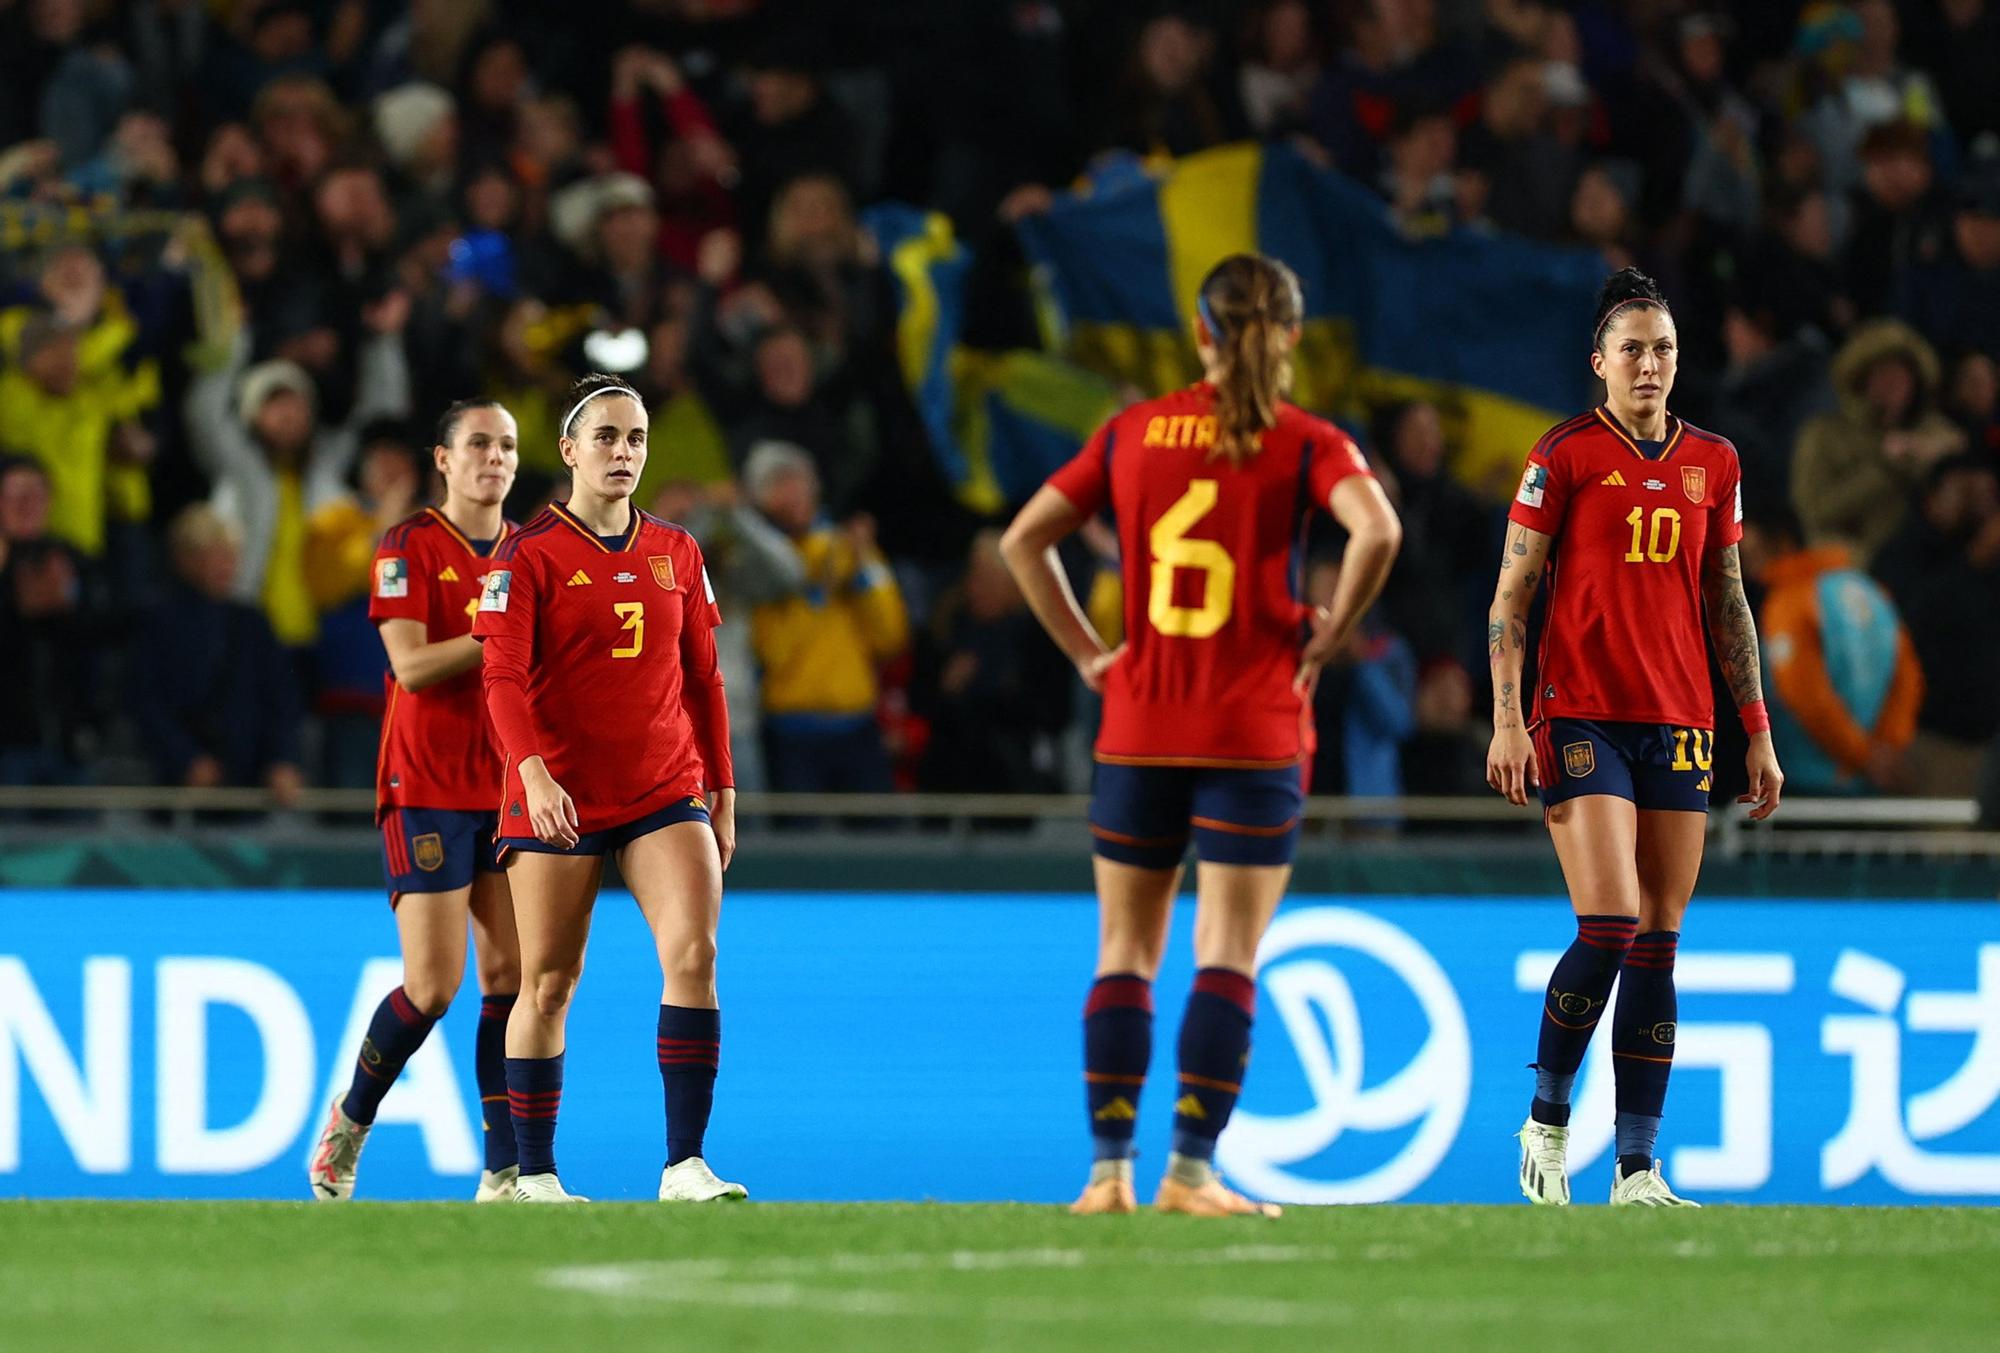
[(392, 579), (493, 597)]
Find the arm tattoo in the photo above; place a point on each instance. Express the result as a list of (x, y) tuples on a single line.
[(1495, 631), (1731, 626)]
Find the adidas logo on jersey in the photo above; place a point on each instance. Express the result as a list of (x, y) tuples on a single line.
[(450, 575), (578, 579), (1614, 480)]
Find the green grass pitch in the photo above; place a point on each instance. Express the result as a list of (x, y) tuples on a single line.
[(427, 1278)]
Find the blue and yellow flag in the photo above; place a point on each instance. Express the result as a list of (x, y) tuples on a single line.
[(1492, 328)]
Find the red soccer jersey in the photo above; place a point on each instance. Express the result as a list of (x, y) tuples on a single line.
[(1631, 524), (1214, 623), (600, 659), (437, 747)]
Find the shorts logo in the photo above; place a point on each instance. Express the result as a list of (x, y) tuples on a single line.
[(392, 578), (1694, 482), (694, 801), (428, 851), (493, 597), (1532, 484), (1579, 759), (663, 570)]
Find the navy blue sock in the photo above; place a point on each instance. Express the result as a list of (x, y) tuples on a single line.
[(534, 1093), (489, 1068), (690, 1053), (1214, 1051), (1642, 1044), (1574, 1003), (1117, 1046), (397, 1030)]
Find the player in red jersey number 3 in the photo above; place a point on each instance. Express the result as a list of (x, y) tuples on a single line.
[(1628, 519), (1205, 702), (601, 679)]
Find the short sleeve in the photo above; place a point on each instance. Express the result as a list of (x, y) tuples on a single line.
[(395, 592), (1725, 525), (1542, 499), (1086, 480), (1332, 456)]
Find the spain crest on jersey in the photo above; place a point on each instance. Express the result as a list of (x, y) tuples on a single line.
[(1694, 482), (663, 570)]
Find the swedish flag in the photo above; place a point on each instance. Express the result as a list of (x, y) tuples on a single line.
[(1487, 326)]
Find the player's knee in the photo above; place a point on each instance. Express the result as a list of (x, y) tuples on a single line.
[(430, 992), (499, 975), (551, 991), (690, 958)]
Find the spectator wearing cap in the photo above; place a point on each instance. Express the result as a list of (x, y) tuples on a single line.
[(213, 693), (1954, 297), (55, 617), (611, 229), (1855, 467), (1845, 682), (417, 124), (258, 432), (819, 649), (1944, 572), (75, 388)]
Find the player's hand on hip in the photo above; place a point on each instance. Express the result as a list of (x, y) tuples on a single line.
[(722, 817), (551, 812), (1767, 782), (1510, 764), (1093, 668)]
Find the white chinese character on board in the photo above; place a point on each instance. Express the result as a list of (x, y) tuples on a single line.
[(1882, 1130)]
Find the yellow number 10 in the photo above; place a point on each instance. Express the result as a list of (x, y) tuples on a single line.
[(1663, 519), (633, 613), (1171, 550)]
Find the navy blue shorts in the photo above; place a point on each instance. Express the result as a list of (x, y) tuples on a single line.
[(1143, 815), (436, 850), (1655, 765), (689, 809)]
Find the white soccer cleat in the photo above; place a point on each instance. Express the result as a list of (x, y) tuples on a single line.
[(331, 1172), (691, 1181), (543, 1188), (497, 1186), (1647, 1188), (1544, 1167)]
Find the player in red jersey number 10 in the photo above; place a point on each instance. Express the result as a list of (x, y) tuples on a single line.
[(1628, 520)]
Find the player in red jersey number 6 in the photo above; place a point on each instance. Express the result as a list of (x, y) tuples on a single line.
[(601, 678), (1629, 519), (1204, 704)]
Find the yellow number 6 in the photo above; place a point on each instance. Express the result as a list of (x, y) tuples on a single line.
[(1171, 550), (633, 613)]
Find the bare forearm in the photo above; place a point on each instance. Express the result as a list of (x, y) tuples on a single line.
[(1507, 627), (1046, 588), (1364, 570), (429, 664), (1732, 628)]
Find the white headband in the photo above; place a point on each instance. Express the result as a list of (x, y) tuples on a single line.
[(562, 428)]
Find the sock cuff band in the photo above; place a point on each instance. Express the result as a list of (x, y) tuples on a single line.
[(1655, 949), (492, 1007), (1607, 932), (406, 1010), (1119, 991), (1237, 988)]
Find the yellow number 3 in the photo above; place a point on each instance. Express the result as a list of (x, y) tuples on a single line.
[(1171, 550), (633, 613)]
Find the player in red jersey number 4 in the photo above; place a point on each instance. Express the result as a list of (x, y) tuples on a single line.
[(435, 785), (601, 679), (1204, 704), (1629, 519)]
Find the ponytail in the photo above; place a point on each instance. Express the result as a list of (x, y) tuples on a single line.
[(1250, 304)]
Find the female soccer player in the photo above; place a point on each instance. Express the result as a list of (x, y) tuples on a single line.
[(435, 782), (1632, 518), (602, 684), (1204, 703)]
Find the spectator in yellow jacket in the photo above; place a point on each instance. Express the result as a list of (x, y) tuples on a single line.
[(71, 397), (819, 647)]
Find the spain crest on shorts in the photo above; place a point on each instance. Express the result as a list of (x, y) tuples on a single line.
[(428, 851), (1694, 482), (1579, 759), (663, 570)]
